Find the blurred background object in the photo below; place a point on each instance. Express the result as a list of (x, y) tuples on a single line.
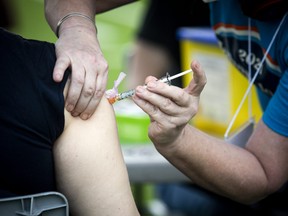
[(156, 48), (7, 15)]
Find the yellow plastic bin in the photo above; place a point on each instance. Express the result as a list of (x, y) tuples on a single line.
[(225, 85)]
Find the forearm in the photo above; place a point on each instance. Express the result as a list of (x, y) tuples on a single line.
[(57, 9), (217, 166)]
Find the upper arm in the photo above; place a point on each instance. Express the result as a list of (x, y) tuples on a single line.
[(90, 166), (93, 142), (269, 142)]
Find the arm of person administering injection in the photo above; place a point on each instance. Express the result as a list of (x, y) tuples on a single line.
[(243, 174), (78, 48)]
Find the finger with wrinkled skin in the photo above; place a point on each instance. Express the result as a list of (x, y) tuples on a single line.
[(150, 79), (159, 107), (151, 97), (87, 93), (75, 87), (98, 69), (160, 121), (101, 81), (98, 94), (163, 128), (175, 94)]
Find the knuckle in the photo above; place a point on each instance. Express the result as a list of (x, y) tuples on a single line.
[(153, 110), (184, 97), (88, 92), (78, 79), (92, 58), (167, 103), (98, 93), (72, 100), (194, 109), (103, 66)]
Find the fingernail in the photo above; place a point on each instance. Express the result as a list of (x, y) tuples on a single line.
[(69, 107), (57, 77), (75, 114), (84, 116), (140, 89), (152, 84)]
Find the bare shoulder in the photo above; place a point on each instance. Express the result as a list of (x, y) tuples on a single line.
[(103, 113)]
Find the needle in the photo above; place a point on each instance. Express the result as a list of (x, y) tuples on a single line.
[(130, 93)]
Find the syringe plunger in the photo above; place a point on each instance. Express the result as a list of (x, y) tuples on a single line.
[(130, 93)]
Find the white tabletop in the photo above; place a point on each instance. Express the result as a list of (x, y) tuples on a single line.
[(146, 165)]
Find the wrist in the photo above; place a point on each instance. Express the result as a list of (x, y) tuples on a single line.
[(75, 19), (172, 146)]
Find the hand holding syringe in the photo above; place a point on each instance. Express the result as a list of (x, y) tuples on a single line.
[(130, 93)]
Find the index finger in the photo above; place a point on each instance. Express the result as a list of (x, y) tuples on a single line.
[(75, 87), (174, 93)]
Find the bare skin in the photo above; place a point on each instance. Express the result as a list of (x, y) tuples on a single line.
[(90, 168), (78, 49)]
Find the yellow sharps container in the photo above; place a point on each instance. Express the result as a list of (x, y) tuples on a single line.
[(225, 85)]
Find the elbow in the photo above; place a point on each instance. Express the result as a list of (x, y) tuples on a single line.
[(250, 199), (249, 196)]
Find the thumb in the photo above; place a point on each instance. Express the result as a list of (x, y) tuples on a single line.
[(62, 63), (198, 81)]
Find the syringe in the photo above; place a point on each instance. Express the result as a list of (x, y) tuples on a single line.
[(130, 93)]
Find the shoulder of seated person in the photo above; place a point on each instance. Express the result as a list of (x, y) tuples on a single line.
[(102, 109)]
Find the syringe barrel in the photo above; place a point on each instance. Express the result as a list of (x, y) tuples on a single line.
[(126, 94)]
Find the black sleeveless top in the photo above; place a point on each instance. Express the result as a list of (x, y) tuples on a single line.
[(31, 115)]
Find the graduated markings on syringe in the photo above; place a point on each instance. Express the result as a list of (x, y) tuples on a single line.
[(165, 79)]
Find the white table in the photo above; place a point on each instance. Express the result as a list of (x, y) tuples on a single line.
[(146, 165)]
